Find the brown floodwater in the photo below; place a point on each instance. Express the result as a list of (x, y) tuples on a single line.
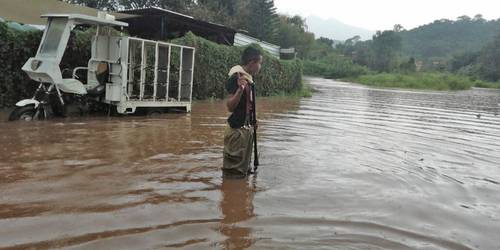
[(350, 168)]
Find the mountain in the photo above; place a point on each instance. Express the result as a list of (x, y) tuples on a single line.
[(335, 29), (445, 38)]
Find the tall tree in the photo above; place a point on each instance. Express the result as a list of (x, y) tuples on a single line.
[(96, 4), (262, 19), (326, 41), (386, 47), (489, 61), (464, 18), (182, 6), (321, 48), (292, 32), (398, 28), (227, 12)]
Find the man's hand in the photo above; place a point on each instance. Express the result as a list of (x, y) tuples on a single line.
[(242, 82)]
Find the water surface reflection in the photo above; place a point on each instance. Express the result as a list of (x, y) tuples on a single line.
[(350, 168)]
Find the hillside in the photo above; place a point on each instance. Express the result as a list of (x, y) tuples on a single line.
[(445, 38)]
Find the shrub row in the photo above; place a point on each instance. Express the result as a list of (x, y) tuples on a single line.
[(212, 64)]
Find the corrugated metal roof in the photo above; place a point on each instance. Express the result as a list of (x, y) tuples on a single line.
[(243, 40), (155, 8), (159, 11), (20, 27)]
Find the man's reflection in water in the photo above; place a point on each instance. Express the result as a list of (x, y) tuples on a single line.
[(237, 206)]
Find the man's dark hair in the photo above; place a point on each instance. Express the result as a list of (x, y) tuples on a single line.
[(250, 54)]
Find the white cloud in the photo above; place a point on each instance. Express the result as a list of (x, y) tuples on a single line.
[(383, 14)]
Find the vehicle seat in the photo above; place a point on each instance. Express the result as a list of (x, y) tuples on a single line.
[(102, 76)]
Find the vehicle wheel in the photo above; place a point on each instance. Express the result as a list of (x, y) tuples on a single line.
[(56, 107), (25, 113), (154, 112)]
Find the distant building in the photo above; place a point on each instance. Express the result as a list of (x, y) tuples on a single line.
[(419, 65)]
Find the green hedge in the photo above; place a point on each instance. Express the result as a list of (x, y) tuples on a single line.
[(213, 62), (16, 47)]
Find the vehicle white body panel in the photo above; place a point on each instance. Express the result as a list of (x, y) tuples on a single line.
[(138, 71), (72, 86), (27, 102)]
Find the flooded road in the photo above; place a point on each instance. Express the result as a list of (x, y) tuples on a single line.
[(350, 168)]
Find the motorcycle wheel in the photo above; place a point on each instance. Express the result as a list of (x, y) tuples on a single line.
[(26, 113)]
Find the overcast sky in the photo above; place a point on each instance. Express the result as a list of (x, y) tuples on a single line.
[(383, 14)]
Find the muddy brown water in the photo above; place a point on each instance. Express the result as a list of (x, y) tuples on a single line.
[(350, 168)]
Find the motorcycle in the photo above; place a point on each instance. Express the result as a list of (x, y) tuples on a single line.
[(55, 95), (67, 99)]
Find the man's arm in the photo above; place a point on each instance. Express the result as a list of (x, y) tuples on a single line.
[(234, 99)]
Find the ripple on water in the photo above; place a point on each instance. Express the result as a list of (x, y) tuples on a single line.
[(350, 168)]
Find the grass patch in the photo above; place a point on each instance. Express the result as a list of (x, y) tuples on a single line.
[(305, 91), (430, 81), (334, 69), (489, 85)]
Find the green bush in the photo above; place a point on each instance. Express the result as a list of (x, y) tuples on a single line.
[(333, 69), (213, 62), (482, 84)]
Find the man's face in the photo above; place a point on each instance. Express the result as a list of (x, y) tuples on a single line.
[(255, 65)]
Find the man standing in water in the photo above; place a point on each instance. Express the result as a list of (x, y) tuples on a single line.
[(238, 136)]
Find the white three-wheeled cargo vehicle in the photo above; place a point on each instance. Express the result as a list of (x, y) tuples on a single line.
[(124, 74)]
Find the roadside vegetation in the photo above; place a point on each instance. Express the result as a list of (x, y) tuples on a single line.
[(431, 81)]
